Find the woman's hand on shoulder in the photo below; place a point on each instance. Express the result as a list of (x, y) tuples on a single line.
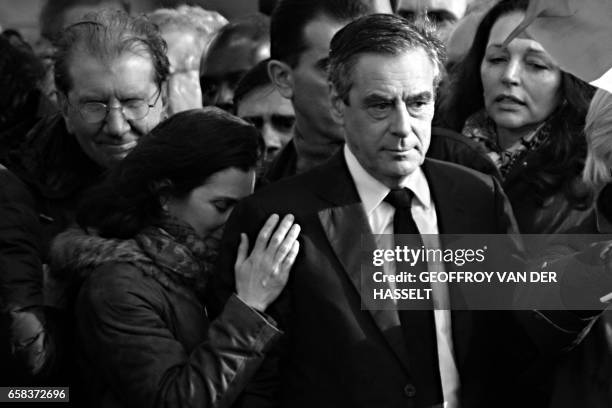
[(262, 275)]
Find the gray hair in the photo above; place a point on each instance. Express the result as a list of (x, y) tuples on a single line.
[(106, 35)]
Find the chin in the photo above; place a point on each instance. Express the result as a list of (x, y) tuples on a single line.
[(403, 171), (508, 120)]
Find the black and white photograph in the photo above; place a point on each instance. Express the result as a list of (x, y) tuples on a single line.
[(306, 203)]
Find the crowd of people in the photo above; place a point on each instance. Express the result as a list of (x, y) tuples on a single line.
[(185, 201)]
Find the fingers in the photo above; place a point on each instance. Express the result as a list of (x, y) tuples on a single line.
[(287, 244), (264, 234), (278, 238), (290, 258), (242, 250)]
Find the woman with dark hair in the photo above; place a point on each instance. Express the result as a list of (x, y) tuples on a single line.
[(144, 256), (528, 115)]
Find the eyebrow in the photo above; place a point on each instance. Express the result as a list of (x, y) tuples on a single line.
[(443, 15), (530, 49), (422, 96), (228, 199)]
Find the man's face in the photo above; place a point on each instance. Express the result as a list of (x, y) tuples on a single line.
[(310, 91), (443, 13), (224, 66), (120, 82), (387, 119), (271, 114)]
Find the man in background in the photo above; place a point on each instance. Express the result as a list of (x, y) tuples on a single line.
[(237, 48), (259, 102), (443, 14), (110, 73), (300, 33)]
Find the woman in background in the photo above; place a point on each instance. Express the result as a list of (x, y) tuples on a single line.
[(145, 254), (528, 116)]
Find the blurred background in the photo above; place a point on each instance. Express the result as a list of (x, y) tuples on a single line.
[(23, 14)]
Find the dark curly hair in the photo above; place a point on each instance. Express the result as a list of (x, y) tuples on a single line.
[(561, 158), (180, 154)]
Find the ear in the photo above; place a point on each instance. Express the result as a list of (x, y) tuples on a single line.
[(165, 99), (281, 75), (62, 101), (337, 105)]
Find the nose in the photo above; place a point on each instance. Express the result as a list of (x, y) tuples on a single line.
[(272, 139), (512, 72), (115, 124), (225, 97), (401, 123)]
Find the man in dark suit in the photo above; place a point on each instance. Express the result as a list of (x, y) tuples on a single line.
[(383, 75)]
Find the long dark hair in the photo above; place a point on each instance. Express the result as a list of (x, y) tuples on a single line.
[(176, 157), (560, 159)]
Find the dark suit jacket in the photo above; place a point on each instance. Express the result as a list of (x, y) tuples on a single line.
[(334, 354)]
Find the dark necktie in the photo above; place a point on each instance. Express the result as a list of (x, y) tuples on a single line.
[(418, 326)]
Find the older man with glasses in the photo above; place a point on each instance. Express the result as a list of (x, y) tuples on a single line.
[(110, 74)]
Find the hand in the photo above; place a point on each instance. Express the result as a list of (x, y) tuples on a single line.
[(28, 340), (261, 276), (184, 91)]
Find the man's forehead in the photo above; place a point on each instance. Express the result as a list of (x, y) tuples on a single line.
[(128, 71), (237, 55), (410, 70), (319, 31), (264, 100), (456, 7)]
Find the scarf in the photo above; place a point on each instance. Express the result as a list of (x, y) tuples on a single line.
[(481, 128), (186, 259)]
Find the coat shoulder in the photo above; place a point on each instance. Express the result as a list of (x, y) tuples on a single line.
[(464, 177)]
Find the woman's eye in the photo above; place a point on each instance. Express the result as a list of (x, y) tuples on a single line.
[(496, 60), (221, 206), (537, 65)]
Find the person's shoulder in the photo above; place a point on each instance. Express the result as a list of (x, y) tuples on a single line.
[(460, 173), (113, 284), (13, 189), (292, 189), (454, 147)]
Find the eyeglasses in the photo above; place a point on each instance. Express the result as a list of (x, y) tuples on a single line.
[(132, 109)]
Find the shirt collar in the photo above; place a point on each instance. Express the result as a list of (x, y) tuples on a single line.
[(372, 192)]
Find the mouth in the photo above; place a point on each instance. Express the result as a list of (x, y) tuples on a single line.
[(508, 99), (402, 151), (117, 148)]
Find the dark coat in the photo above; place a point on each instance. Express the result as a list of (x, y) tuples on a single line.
[(20, 249), (145, 340), (20, 278), (56, 171), (334, 353), (556, 214)]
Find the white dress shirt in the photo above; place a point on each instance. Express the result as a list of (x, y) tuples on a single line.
[(380, 217)]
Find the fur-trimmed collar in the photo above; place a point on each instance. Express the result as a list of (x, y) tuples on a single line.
[(74, 250)]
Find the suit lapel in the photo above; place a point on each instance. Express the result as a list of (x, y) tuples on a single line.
[(348, 231), (451, 208)]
